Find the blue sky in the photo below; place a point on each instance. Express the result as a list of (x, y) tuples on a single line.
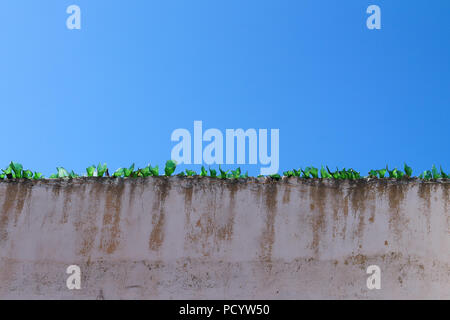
[(115, 90)]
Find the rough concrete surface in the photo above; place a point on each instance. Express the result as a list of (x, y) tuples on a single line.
[(202, 238)]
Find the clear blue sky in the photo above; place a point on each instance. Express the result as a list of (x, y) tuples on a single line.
[(115, 90)]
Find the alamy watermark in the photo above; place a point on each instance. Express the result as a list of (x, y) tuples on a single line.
[(73, 282), (374, 280), (74, 20), (215, 152), (374, 20)]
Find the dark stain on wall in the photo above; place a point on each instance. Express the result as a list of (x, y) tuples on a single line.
[(446, 197), (68, 195), (286, 194), (24, 196), (9, 202), (188, 202), (206, 228), (110, 233), (318, 197), (158, 214), (396, 196), (225, 232), (268, 237), (86, 225), (424, 193), (336, 197), (359, 195)]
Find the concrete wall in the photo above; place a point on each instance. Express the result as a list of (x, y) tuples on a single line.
[(198, 238)]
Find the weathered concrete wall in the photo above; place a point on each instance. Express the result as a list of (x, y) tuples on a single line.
[(198, 238)]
